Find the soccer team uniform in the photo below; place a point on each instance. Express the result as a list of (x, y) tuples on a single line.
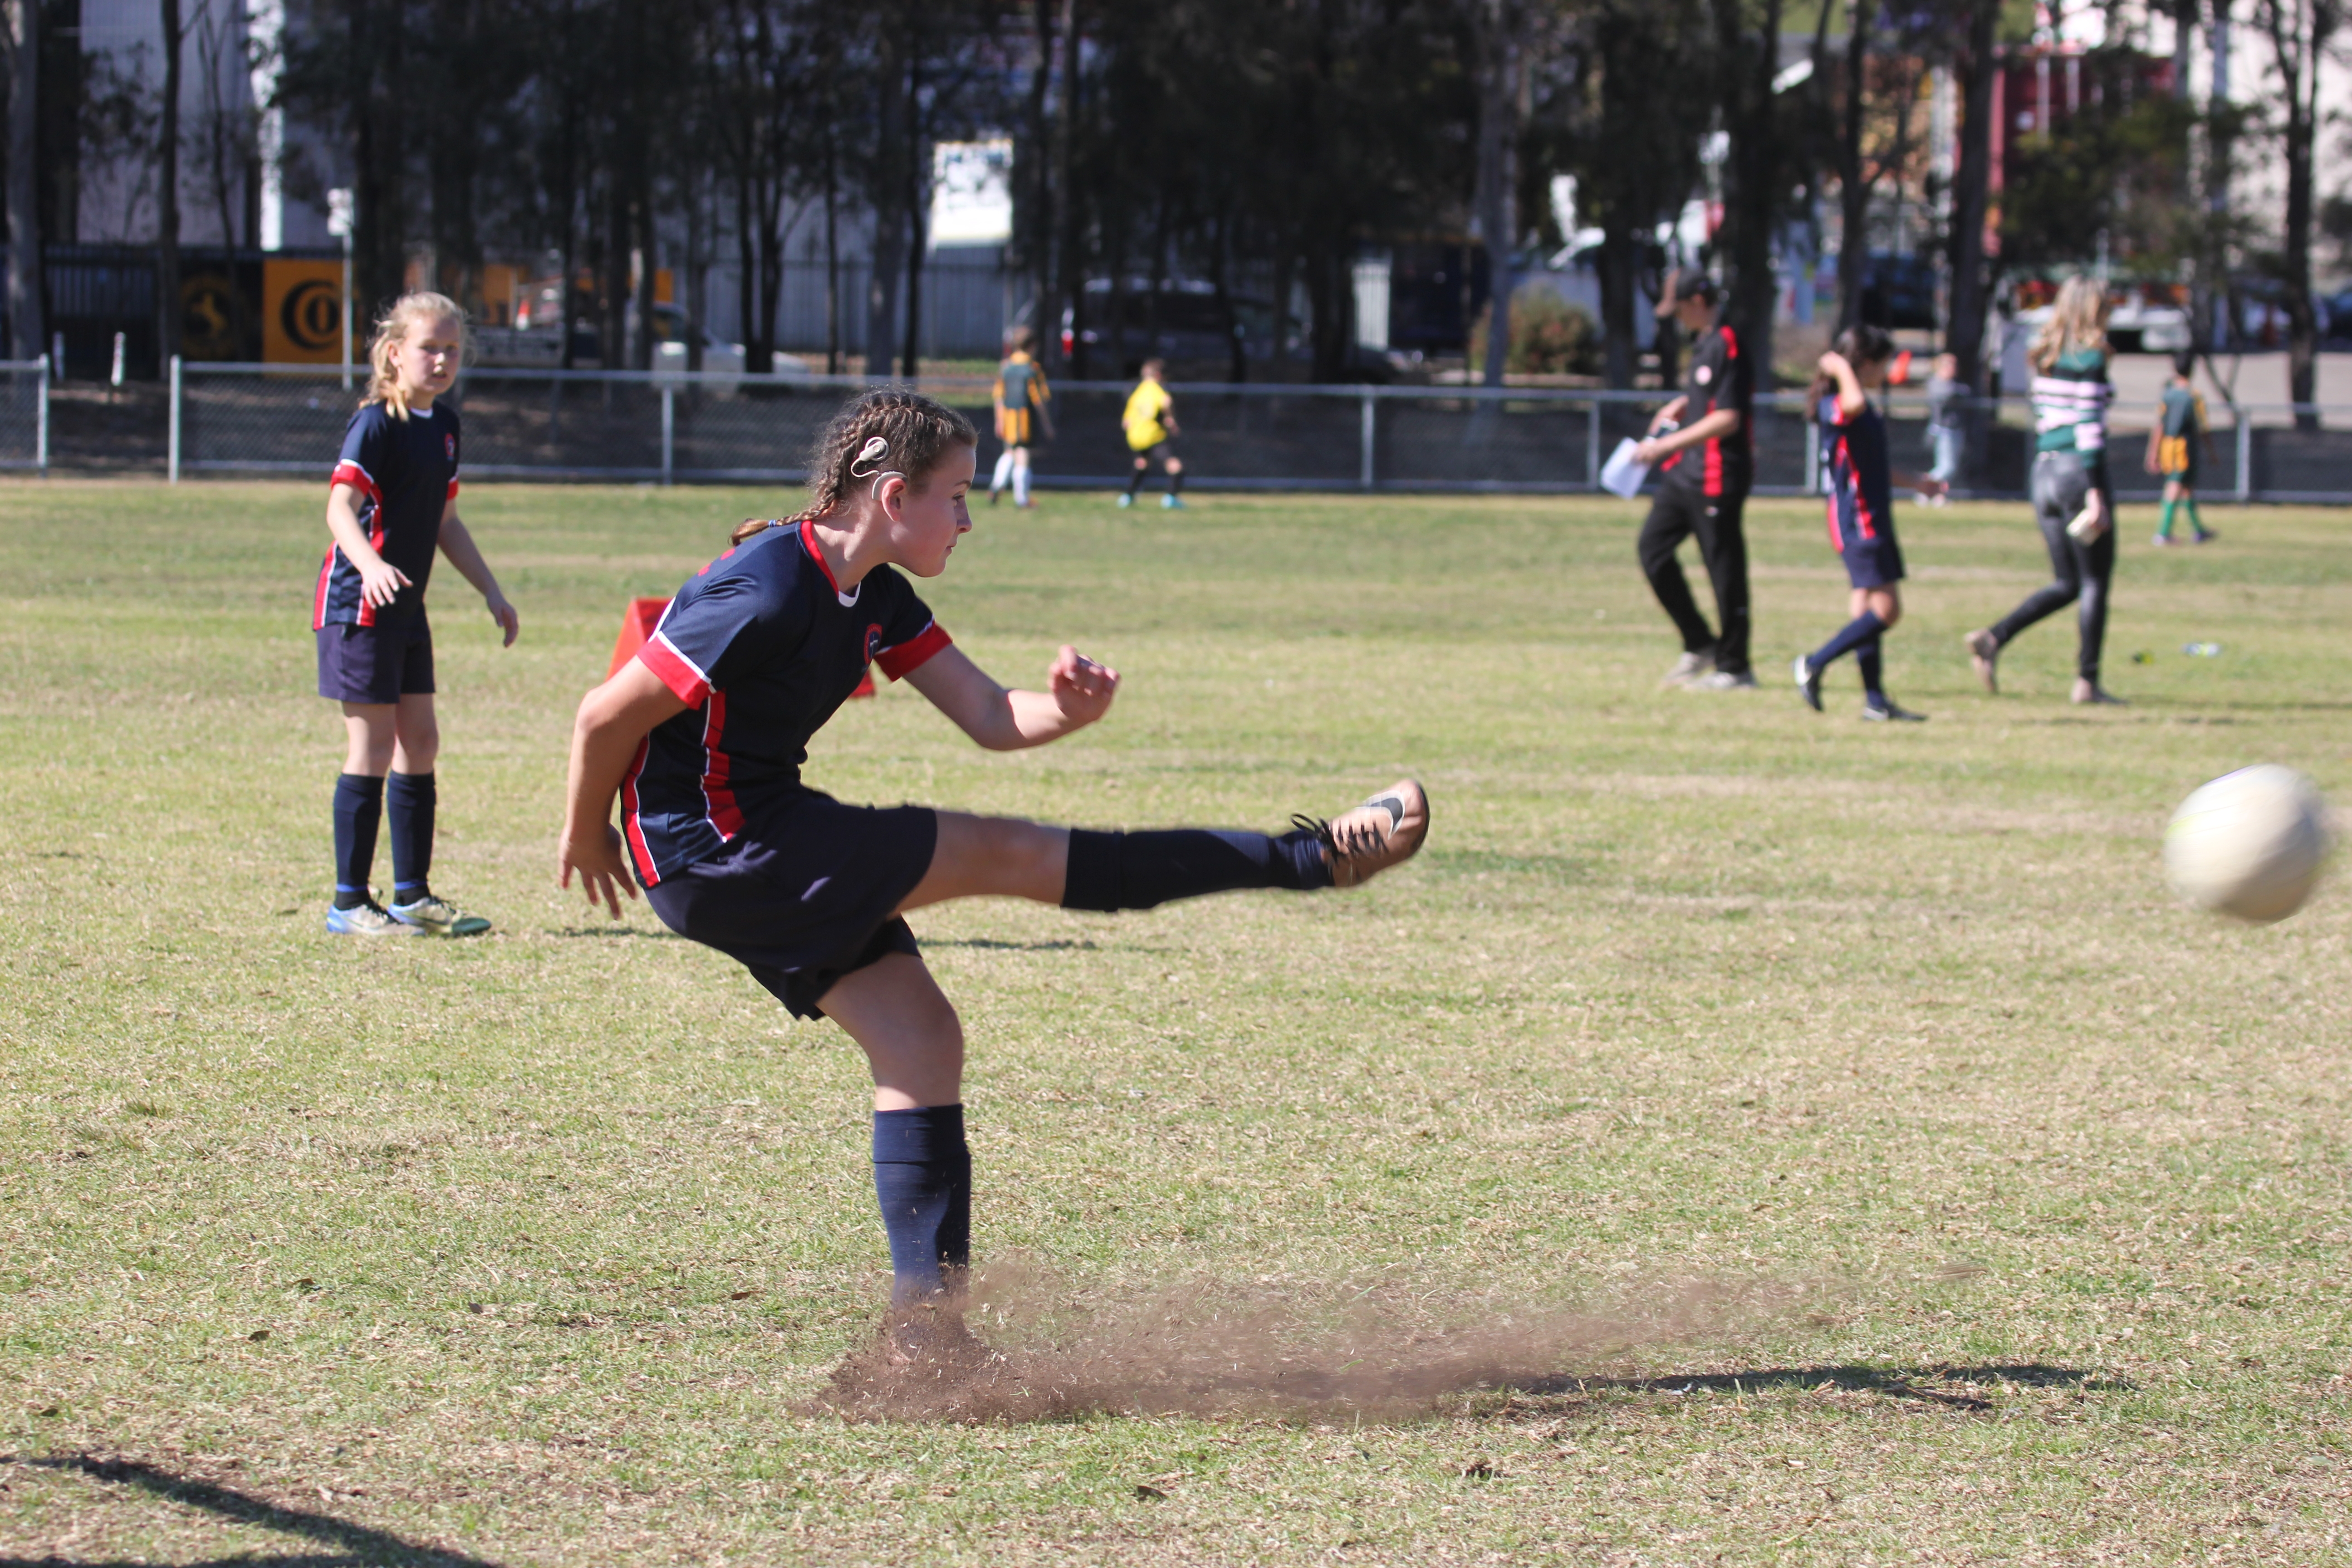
[(2184, 429), (1021, 394), (406, 471), (732, 849), (1704, 489), (1147, 406), (1861, 509)]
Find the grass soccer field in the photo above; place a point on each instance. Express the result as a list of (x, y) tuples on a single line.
[(1742, 1136)]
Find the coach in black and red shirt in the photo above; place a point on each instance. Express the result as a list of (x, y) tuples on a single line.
[(1707, 464)]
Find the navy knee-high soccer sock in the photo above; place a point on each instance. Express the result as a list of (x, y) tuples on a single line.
[(1867, 657), (408, 800), (1176, 483), (1134, 479), (359, 812), (1864, 628), (922, 1177), (1139, 870)]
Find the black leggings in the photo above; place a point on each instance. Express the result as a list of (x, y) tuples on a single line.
[(2062, 483)]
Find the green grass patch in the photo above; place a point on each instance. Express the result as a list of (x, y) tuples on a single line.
[(533, 1248)]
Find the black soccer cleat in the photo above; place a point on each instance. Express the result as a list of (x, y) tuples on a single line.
[(1809, 682)]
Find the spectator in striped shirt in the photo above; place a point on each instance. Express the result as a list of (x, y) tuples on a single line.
[(2074, 499)]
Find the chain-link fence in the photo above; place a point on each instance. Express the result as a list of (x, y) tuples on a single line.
[(595, 424), (25, 413)]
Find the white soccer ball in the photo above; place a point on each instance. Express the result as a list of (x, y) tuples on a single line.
[(2249, 844)]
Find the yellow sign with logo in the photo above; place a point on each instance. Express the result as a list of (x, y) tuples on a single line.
[(302, 313)]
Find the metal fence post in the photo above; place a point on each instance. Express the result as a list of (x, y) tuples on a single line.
[(2245, 457), (670, 432), (1812, 459), (1593, 444), (1364, 475), (41, 418), (172, 458)]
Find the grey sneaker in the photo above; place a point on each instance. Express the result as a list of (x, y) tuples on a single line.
[(1723, 680), (367, 920), (432, 917), (1687, 669)]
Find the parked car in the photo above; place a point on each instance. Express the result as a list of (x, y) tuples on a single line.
[(1189, 325)]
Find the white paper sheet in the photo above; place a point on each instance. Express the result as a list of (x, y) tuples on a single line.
[(1621, 473)]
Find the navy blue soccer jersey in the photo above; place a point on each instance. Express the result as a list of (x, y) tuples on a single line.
[(1854, 464), (763, 647), (406, 471)]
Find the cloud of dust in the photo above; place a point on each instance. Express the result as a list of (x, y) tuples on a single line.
[(1028, 1348)]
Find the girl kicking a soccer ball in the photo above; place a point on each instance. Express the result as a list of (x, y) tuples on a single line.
[(1861, 514), (702, 735), (391, 504)]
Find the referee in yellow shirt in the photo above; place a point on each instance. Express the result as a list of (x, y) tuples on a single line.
[(1151, 422)]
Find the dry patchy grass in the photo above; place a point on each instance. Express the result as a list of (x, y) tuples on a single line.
[(2031, 1186)]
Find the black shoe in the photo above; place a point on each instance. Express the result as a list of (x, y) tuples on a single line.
[(1809, 682)]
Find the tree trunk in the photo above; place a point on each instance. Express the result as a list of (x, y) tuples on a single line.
[(1496, 31), (376, 61), (1853, 186), (1752, 190), (1069, 282), (167, 195), (2300, 34), (1971, 183), (1619, 340), (911, 356), (1037, 237), (832, 256), (28, 333)]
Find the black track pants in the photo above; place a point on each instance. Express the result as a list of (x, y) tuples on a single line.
[(1679, 513)]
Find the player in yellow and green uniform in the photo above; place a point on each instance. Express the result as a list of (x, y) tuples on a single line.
[(1150, 424), (1021, 396), (2172, 447)]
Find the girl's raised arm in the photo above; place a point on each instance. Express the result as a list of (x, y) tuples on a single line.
[(1077, 692)]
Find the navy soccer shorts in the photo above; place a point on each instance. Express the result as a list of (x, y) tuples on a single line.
[(808, 896), (1873, 562), (381, 663)]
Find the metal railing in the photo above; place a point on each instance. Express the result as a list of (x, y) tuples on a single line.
[(25, 414), (672, 428)]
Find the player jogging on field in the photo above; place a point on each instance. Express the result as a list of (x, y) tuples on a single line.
[(1020, 397), (2073, 501), (391, 504), (701, 736), (1861, 514), (1707, 471), (2172, 449), (1150, 421)]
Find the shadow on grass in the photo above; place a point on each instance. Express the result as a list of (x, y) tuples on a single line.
[(647, 933), (350, 1545), (1899, 1385), (988, 944)]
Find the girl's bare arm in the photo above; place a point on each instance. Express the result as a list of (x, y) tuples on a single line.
[(614, 721), (1079, 691), (458, 544), (380, 581)]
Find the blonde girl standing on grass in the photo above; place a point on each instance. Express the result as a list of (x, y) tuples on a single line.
[(392, 503)]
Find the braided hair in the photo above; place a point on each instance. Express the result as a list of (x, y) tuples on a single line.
[(889, 430)]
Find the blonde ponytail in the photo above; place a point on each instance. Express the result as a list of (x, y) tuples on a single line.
[(391, 330)]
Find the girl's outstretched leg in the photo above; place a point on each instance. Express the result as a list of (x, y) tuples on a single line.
[(980, 857)]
